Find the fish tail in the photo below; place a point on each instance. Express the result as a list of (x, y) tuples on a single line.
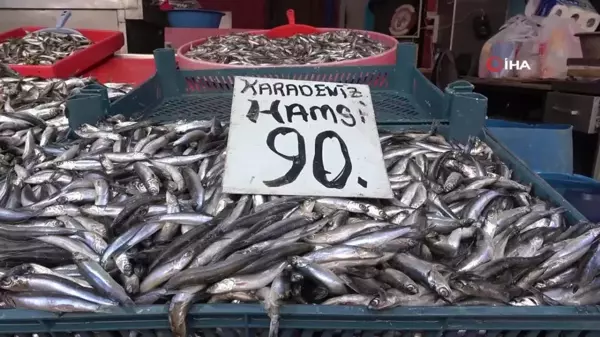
[(274, 326)]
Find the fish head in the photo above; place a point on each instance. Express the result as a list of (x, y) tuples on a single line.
[(375, 303), (432, 236), (319, 293), (13, 282), (296, 289), (130, 288), (438, 283), (124, 264), (171, 186), (55, 223), (298, 262), (224, 286), (442, 291), (457, 284), (296, 277), (138, 186), (528, 301), (154, 187), (381, 301), (542, 285), (411, 289), (6, 299), (139, 269), (143, 210)]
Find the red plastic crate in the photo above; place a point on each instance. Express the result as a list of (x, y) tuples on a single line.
[(105, 43)]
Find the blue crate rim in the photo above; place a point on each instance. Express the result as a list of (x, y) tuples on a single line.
[(309, 311)]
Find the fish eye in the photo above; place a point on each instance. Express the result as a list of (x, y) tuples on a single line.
[(7, 281)]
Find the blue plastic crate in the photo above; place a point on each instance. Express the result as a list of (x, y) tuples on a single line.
[(401, 95), (582, 192), (403, 99), (250, 320), (544, 147)]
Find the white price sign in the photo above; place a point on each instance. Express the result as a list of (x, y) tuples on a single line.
[(291, 137)]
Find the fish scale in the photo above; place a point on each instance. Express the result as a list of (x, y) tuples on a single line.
[(459, 230)]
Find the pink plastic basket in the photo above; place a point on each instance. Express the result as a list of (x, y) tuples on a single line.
[(386, 58)]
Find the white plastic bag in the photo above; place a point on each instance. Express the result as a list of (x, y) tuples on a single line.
[(558, 43), (529, 52), (506, 45)]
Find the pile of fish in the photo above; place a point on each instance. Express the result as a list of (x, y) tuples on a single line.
[(258, 49), (41, 48), (36, 105), (133, 212)]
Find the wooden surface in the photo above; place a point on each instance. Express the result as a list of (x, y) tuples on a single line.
[(588, 72), (512, 83)]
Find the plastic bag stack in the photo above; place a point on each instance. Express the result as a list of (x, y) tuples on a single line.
[(545, 43), (582, 12)]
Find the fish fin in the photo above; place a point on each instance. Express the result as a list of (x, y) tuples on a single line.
[(381, 293)]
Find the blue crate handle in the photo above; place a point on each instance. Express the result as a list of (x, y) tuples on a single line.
[(460, 86), (462, 106), (63, 18)]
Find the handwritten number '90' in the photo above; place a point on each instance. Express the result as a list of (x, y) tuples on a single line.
[(299, 160)]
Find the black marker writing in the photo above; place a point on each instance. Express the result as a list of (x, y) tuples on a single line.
[(345, 112), (305, 90), (254, 111), (296, 110), (341, 87), (361, 113), (325, 112), (278, 89), (265, 89), (298, 161), (320, 88), (291, 88), (354, 93), (248, 85), (319, 171), (282, 89), (325, 109)]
